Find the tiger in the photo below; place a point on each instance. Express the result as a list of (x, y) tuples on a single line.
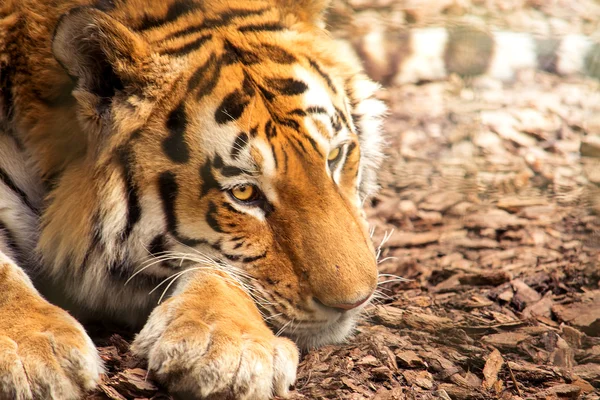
[(194, 170)]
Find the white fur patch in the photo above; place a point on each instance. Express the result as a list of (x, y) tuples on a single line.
[(512, 52), (571, 54), (267, 167), (426, 62), (369, 112)]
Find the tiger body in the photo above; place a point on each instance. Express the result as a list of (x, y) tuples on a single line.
[(219, 150)]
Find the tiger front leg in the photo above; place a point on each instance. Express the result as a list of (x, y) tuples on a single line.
[(44, 352), (210, 341)]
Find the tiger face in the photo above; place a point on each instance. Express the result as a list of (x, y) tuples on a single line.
[(251, 143)]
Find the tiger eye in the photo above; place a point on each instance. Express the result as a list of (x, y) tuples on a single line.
[(243, 192), (333, 154)]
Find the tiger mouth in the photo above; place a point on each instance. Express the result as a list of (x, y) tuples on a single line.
[(311, 333)]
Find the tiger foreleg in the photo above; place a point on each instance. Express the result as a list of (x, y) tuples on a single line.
[(210, 341), (44, 352)]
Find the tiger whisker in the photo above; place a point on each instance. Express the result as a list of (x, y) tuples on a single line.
[(395, 280), (272, 316), (282, 329)]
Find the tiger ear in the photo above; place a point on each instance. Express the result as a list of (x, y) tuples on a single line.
[(308, 11), (100, 53)]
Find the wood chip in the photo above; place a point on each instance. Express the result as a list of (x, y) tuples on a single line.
[(563, 391), (508, 340), (420, 378), (590, 146), (492, 367), (408, 358), (524, 295), (395, 317), (585, 316)]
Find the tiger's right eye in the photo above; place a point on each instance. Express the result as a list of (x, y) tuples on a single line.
[(333, 154), (333, 157), (245, 193)]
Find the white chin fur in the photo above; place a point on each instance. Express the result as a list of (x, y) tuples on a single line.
[(333, 333)]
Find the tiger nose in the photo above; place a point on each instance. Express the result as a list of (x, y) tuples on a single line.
[(344, 306)]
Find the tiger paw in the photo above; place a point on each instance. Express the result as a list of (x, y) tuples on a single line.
[(44, 352), (216, 347)]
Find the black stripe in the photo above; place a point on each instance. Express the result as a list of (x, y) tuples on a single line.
[(218, 161), (270, 129), (344, 119), (10, 240), (104, 5), (206, 77), (96, 243), (314, 144), (252, 259), (212, 218), (5, 178), (239, 144), (351, 148), (158, 245), (134, 210), (211, 23), (298, 111), (290, 123), (230, 171), (285, 161), (299, 142), (278, 55), (208, 179), (268, 26), (266, 94), (6, 94), (316, 110), (231, 208), (357, 123), (175, 10), (335, 123), (231, 257), (267, 207), (298, 147), (232, 107), (274, 155), (174, 145), (200, 72), (186, 48), (235, 54), (168, 190), (326, 77), (287, 86)]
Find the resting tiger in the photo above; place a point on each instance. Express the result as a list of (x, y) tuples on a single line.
[(217, 149)]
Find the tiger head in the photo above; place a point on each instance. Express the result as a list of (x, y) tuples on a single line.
[(237, 130)]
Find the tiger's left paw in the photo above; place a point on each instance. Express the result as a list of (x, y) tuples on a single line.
[(205, 349)]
